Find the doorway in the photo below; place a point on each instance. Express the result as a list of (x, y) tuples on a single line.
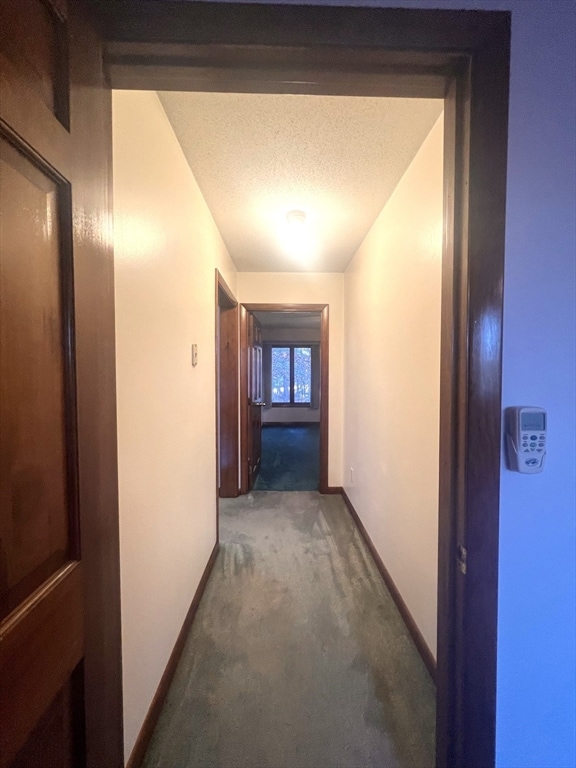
[(253, 387), (289, 356), (475, 141), (324, 50)]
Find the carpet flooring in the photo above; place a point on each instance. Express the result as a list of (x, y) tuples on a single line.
[(290, 458), (297, 657)]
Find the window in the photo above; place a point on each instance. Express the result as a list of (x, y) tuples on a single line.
[(291, 375)]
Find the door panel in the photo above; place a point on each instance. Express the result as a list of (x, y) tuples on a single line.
[(34, 77), (250, 398), (57, 733), (254, 397), (35, 41), (42, 644), (54, 209), (37, 503), (227, 373)]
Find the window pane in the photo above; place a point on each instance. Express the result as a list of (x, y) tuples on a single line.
[(280, 374), (302, 374)]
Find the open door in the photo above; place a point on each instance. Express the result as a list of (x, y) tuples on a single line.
[(227, 389), (251, 397), (60, 676)]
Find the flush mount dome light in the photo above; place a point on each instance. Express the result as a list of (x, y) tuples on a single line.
[(296, 219), (296, 235)]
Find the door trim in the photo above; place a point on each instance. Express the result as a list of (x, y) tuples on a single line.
[(463, 56), (323, 309)]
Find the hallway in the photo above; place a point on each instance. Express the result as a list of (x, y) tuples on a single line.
[(297, 657)]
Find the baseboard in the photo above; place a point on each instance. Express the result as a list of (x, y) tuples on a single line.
[(333, 489), (411, 625), (139, 751)]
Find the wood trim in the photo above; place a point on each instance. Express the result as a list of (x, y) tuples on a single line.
[(412, 627), (91, 178), (142, 742), (228, 300), (452, 400), (244, 419), (251, 307), (399, 30), (217, 397), (333, 490), (324, 398), (480, 225)]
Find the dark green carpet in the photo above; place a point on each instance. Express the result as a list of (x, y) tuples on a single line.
[(298, 657), (290, 458)]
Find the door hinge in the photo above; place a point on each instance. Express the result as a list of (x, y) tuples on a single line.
[(461, 558)]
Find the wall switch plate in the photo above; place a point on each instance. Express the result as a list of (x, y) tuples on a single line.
[(194, 354)]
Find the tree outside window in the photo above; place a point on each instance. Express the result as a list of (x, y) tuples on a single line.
[(291, 375)]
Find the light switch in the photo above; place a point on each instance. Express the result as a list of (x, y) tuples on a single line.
[(194, 354)]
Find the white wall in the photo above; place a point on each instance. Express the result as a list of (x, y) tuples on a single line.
[(310, 288), (392, 292), (536, 705), (166, 250)]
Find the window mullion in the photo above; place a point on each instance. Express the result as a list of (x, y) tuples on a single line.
[(291, 375)]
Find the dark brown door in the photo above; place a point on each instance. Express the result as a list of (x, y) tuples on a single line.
[(251, 387), (255, 389), (227, 389), (42, 574)]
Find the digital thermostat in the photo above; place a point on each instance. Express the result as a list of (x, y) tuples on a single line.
[(525, 438)]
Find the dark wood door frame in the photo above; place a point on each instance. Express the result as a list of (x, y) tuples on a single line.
[(226, 390), (463, 57), (323, 309)]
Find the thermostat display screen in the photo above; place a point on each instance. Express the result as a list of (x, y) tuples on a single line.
[(535, 421)]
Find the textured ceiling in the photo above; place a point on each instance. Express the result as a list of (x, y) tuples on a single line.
[(257, 156)]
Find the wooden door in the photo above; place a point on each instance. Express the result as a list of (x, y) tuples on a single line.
[(251, 389), (49, 198), (227, 389), (255, 402)]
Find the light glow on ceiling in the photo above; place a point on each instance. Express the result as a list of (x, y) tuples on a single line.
[(296, 236)]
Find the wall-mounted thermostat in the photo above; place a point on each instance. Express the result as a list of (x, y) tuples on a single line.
[(526, 438)]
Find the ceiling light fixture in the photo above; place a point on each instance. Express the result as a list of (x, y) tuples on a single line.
[(296, 220), (297, 238), (296, 234)]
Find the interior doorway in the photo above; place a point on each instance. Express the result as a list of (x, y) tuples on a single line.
[(289, 356), (460, 56), (257, 329)]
